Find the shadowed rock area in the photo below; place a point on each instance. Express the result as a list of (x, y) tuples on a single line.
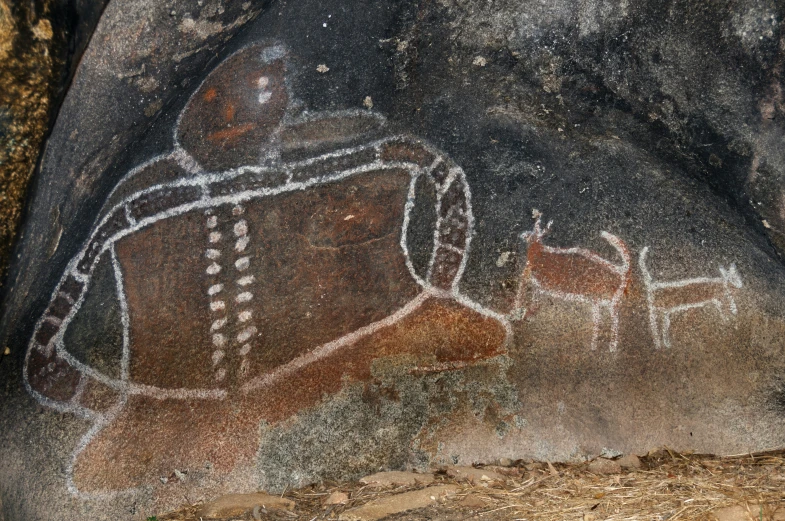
[(272, 244)]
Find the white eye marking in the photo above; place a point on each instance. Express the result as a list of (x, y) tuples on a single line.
[(264, 94)]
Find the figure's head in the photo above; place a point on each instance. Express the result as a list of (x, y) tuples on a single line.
[(236, 110)]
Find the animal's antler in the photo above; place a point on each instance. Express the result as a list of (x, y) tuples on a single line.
[(537, 232)]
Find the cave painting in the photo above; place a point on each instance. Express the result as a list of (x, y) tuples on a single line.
[(667, 298), (272, 258), (259, 267), (576, 275)]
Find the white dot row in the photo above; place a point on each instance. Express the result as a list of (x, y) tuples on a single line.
[(218, 339), (242, 263)]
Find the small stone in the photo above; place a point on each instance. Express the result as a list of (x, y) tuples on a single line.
[(472, 501), (368, 102), (629, 461), (322, 68), (503, 259), (479, 61), (337, 498), (387, 506), (180, 475), (604, 466), (505, 462), (240, 504), (396, 479), (473, 475)]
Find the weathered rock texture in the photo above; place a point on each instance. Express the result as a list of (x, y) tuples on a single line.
[(273, 244)]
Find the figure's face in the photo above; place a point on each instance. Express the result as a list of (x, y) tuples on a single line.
[(232, 116)]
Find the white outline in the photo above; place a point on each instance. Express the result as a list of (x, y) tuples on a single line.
[(720, 286)]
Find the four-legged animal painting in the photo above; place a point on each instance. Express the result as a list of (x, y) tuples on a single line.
[(577, 275), (677, 296)]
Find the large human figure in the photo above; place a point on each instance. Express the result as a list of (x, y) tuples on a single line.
[(261, 265)]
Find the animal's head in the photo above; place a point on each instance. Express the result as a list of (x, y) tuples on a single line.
[(537, 233), (731, 276)]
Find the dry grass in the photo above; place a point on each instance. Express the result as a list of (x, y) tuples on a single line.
[(670, 486)]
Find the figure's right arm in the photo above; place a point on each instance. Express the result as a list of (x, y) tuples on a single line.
[(51, 374)]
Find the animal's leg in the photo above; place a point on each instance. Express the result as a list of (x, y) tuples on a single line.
[(518, 311), (597, 318), (666, 326), (656, 334), (720, 308), (614, 312)]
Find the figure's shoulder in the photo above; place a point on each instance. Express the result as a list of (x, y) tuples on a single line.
[(160, 170)]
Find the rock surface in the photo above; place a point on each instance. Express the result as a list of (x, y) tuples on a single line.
[(476, 233)]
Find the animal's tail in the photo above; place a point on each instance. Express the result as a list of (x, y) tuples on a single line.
[(623, 251)]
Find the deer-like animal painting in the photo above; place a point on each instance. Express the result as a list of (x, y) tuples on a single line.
[(576, 275), (666, 298)]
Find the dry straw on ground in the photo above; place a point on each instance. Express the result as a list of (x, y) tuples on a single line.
[(669, 486)]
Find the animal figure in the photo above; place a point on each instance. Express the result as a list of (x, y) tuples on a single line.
[(666, 298), (577, 275)]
